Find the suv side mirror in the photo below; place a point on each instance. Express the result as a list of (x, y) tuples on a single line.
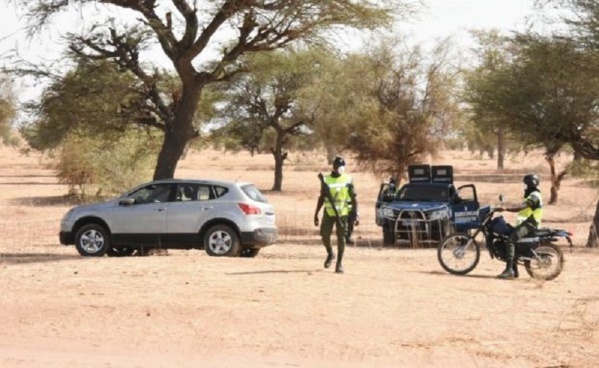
[(126, 201)]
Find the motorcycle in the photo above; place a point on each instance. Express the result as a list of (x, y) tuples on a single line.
[(539, 253)]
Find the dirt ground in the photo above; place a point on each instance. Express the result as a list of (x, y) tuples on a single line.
[(392, 307)]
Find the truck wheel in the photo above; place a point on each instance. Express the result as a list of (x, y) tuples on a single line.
[(388, 236)]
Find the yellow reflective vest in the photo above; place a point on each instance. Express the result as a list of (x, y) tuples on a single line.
[(534, 209), (339, 189)]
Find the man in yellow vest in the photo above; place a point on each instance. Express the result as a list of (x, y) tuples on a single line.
[(530, 215), (339, 187)]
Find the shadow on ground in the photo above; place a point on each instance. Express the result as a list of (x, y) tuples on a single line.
[(29, 258)]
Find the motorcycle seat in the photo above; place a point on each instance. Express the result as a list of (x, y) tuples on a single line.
[(542, 232)]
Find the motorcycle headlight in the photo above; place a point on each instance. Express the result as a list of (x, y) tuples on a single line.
[(438, 215)]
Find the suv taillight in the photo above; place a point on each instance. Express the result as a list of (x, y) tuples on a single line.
[(248, 209)]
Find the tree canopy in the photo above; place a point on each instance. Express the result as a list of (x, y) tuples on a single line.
[(203, 42)]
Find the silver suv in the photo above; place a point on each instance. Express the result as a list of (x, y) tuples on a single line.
[(225, 218)]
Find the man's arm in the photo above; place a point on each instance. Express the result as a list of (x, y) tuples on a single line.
[(354, 202), (519, 208), (319, 205)]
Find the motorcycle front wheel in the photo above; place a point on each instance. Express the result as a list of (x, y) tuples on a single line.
[(548, 263), (458, 253)]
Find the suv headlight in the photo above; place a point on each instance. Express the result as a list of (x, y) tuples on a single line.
[(438, 215), (387, 212)]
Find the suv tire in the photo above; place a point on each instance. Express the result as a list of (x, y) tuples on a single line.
[(221, 241), (92, 240)]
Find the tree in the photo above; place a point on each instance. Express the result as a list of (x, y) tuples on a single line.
[(7, 110), (84, 120), (407, 101), (189, 36), (493, 53), (544, 95), (266, 99)]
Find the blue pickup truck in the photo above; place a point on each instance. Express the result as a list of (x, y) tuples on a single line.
[(426, 209)]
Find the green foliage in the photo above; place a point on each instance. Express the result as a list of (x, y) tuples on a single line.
[(398, 102), (187, 32), (7, 112), (545, 95), (92, 165), (262, 105), (95, 96)]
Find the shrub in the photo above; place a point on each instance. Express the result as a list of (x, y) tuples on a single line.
[(103, 166)]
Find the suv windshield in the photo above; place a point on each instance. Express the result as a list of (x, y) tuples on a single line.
[(253, 192), (423, 194)]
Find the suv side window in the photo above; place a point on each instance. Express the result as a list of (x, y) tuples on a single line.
[(220, 191), (205, 193), (153, 193), (186, 192)]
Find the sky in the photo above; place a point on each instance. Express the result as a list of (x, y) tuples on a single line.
[(456, 17), (442, 18)]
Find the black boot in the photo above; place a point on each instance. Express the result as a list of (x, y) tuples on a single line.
[(339, 267), (329, 260), (508, 273)]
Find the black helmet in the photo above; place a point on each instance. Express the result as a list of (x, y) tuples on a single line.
[(531, 180), (338, 161)]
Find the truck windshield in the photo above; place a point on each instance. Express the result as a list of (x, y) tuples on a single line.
[(423, 194)]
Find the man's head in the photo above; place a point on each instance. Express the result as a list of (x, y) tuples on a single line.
[(339, 165), (531, 181)]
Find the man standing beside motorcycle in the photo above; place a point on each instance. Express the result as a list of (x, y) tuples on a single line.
[(530, 214)]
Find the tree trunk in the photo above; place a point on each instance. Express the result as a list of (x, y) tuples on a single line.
[(178, 133), (500, 148), (593, 240), (556, 180), (280, 156)]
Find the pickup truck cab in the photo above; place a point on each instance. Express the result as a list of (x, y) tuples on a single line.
[(427, 208)]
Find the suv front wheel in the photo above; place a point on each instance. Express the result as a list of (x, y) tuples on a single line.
[(92, 240), (221, 241)]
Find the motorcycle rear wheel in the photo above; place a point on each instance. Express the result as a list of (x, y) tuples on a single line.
[(458, 253), (549, 263)]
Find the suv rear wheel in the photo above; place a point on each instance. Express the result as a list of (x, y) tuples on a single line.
[(92, 240), (221, 241)]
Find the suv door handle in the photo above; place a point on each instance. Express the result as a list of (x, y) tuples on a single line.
[(206, 208), (160, 209)]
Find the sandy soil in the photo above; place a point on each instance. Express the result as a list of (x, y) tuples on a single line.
[(392, 308)]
